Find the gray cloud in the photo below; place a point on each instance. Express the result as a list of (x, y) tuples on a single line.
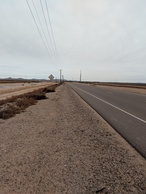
[(105, 39)]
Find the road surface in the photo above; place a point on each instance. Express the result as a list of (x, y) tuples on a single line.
[(125, 111)]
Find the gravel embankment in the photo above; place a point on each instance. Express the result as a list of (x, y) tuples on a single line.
[(61, 146)]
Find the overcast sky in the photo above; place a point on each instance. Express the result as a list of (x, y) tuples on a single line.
[(105, 39)]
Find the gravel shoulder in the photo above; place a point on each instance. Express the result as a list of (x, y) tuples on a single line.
[(62, 146)]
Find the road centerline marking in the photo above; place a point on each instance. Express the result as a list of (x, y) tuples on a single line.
[(112, 105)]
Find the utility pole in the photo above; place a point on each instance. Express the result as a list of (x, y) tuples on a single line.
[(63, 78), (80, 76), (60, 74)]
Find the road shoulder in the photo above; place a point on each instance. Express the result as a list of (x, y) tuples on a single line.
[(61, 145)]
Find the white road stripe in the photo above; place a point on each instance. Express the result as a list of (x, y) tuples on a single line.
[(113, 105)]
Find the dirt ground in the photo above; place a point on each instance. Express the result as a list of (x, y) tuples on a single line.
[(62, 146), (8, 90), (134, 90)]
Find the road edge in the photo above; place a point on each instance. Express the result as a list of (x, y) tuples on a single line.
[(132, 151)]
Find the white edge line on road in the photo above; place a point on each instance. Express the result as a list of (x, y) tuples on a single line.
[(113, 105)]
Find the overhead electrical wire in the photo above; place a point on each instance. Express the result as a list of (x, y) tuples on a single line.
[(38, 28), (41, 26), (51, 42), (39, 31), (54, 42)]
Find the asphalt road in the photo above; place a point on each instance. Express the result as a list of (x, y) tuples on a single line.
[(125, 111)]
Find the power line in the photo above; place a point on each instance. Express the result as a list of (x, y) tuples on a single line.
[(47, 27), (52, 30), (40, 24), (38, 28)]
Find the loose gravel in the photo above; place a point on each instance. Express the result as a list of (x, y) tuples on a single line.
[(62, 146)]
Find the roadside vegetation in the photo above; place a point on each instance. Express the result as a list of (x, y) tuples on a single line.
[(116, 84), (17, 104)]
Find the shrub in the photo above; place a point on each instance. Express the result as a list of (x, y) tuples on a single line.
[(17, 104)]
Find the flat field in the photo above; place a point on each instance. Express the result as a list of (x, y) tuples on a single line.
[(10, 89)]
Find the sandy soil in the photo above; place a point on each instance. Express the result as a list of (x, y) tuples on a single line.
[(62, 146), (127, 89), (13, 89)]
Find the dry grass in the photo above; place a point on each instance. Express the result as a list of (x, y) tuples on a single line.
[(126, 85), (17, 104)]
